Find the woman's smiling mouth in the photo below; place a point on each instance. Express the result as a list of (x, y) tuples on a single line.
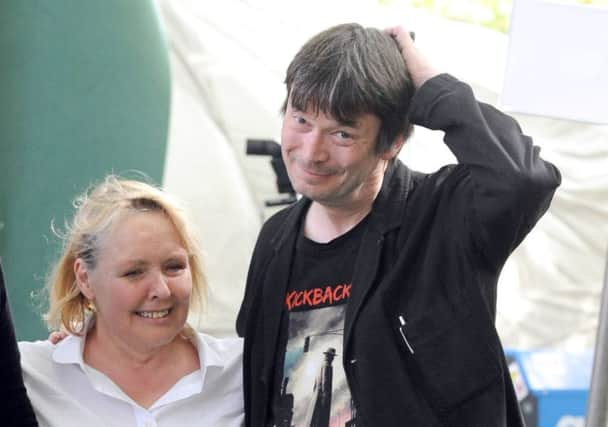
[(153, 314)]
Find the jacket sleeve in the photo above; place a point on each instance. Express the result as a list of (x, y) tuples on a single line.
[(245, 311), (512, 186), (17, 409), (253, 286)]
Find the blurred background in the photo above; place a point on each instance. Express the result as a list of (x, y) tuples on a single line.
[(173, 88)]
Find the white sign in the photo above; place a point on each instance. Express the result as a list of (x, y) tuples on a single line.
[(557, 61)]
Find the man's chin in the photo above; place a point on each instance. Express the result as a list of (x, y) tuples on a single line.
[(322, 198)]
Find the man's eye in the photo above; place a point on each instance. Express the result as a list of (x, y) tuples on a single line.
[(300, 120), (133, 273), (343, 138)]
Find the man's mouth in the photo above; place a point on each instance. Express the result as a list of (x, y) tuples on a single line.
[(316, 172), (159, 314)]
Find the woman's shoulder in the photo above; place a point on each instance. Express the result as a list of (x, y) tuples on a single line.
[(36, 348), (35, 354), (224, 357), (222, 345), (45, 353)]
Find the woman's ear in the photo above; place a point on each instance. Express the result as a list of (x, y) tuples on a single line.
[(395, 147), (82, 279)]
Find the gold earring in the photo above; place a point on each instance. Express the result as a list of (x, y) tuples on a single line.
[(91, 306)]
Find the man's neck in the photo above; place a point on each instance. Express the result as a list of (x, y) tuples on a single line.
[(323, 224), (325, 221)]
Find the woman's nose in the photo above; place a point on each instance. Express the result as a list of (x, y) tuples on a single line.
[(159, 287)]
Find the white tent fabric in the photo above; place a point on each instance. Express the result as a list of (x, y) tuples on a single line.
[(228, 61)]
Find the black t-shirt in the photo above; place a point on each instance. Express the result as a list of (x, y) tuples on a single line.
[(310, 387)]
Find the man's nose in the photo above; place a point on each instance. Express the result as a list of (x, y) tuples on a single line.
[(314, 147)]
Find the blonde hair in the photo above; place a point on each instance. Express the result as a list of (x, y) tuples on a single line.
[(97, 209)]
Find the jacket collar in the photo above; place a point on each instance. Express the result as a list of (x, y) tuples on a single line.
[(388, 209), (290, 225)]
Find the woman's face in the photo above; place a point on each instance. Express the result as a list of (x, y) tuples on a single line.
[(141, 284)]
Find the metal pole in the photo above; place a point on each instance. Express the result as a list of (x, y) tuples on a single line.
[(596, 407)]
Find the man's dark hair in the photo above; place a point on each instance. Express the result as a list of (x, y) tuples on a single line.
[(349, 70)]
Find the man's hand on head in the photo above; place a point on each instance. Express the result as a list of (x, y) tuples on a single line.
[(418, 65)]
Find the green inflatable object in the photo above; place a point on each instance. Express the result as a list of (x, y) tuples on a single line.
[(85, 91)]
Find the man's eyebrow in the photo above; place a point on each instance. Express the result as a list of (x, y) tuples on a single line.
[(348, 122), (351, 123)]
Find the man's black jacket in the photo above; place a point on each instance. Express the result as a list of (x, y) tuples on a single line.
[(432, 254), (17, 410)]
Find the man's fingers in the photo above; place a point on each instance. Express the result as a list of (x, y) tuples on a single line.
[(56, 337), (404, 38)]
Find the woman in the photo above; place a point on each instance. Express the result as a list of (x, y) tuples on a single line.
[(123, 288)]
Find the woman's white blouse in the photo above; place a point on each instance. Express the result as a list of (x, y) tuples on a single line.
[(66, 392)]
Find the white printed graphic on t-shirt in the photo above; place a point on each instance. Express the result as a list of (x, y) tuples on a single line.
[(314, 391)]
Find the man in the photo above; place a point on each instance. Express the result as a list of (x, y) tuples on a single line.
[(17, 409), (371, 301)]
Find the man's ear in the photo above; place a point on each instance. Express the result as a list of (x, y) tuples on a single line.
[(395, 147), (82, 279)]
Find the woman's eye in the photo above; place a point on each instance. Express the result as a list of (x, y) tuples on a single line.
[(300, 120), (176, 267), (344, 135)]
